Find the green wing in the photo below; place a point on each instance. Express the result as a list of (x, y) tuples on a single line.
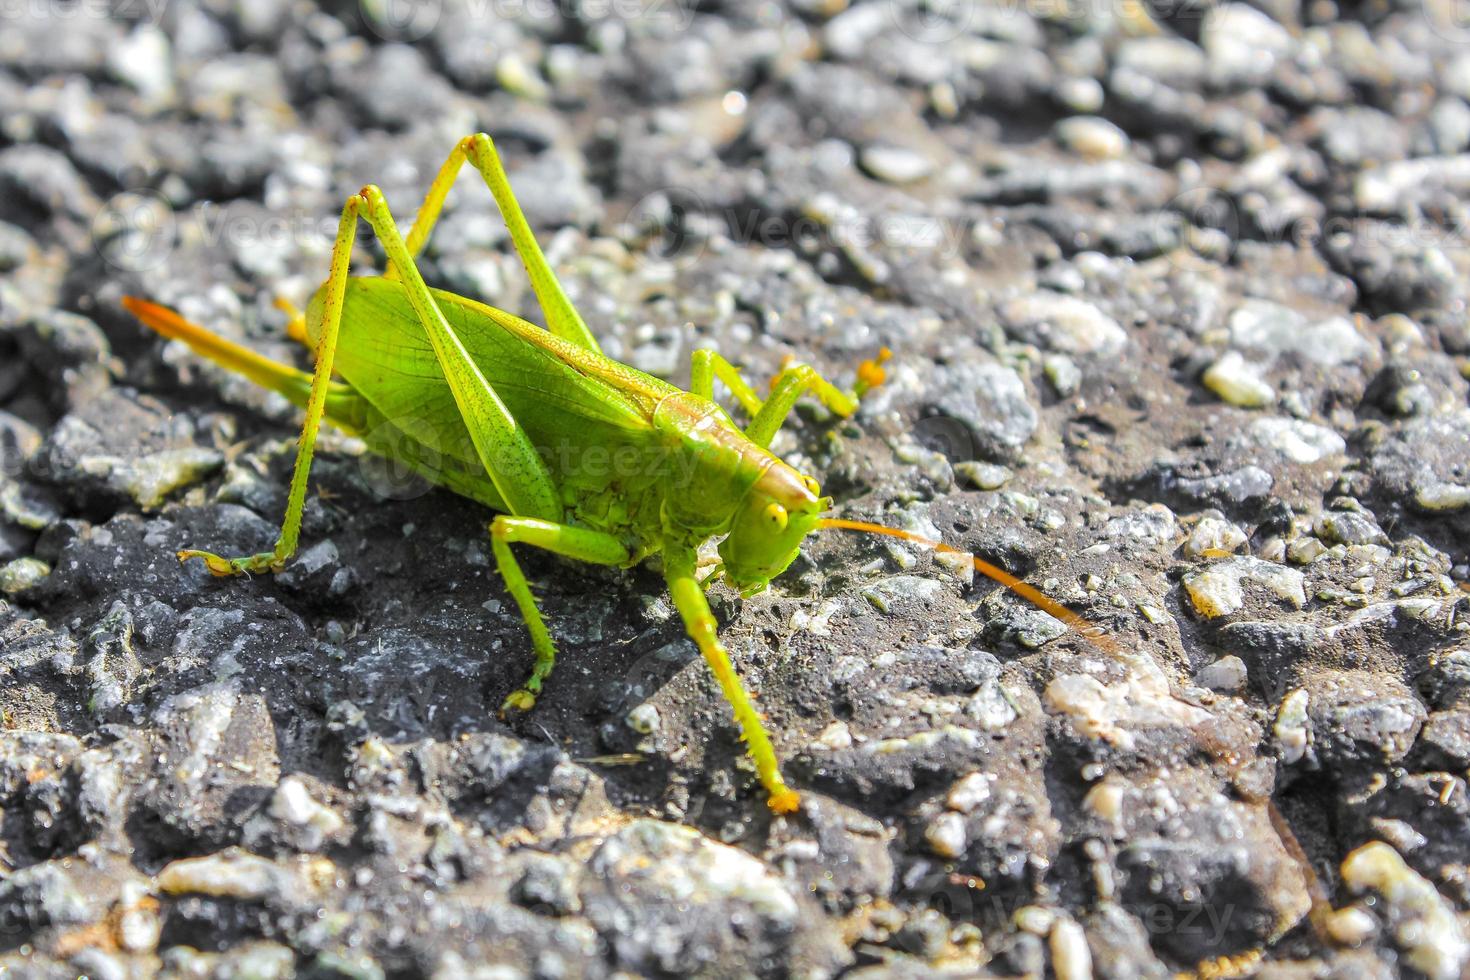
[(565, 396)]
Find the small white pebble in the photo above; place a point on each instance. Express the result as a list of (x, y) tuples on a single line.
[(1304, 550), (834, 737), (1238, 382), (968, 792), (945, 835), (1071, 959), (1105, 800), (1035, 919), (1351, 926), (1227, 675), (1213, 537), (1092, 137), (1293, 729), (643, 719)]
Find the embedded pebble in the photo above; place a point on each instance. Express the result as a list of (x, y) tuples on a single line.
[(1351, 926), (1349, 528), (1305, 550), (1421, 921), (1298, 441), (985, 410), (229, 874), (1219, 589), (1242, 44), (1276, 331), (1064, 324), (1063, 373), (1227, 675), (1293, 727), (895, 164), (21, 574), (984, 476), (972, 790), (293, 804), (1238, 382), (1092, 137), (1071, 959), (1443, 496), (1214, 537), (945, 835), (835, 736), (643, 719)]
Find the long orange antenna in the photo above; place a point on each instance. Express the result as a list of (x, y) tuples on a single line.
[(1030, 593)]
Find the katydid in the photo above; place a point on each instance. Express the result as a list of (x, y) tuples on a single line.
[(498, 409)]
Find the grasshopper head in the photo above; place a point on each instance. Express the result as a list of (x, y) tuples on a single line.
[(777, 514)]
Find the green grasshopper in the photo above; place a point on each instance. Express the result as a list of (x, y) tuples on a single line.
[(500, 410)]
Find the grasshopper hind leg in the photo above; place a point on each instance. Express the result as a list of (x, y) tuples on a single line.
[(479, 150), (289, 382)]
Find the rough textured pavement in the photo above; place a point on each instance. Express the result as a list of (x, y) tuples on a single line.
[(1178, 300)]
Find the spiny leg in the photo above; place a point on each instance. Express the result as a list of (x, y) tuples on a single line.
[(321, 383), (688, 596), (518, 472), (768, 415), (561, 317), (571, 542)]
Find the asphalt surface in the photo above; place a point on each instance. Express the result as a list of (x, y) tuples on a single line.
[(1177, 299)]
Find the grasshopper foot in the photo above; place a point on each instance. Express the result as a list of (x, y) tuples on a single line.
[(224, 567), (522, 700), (870, 374), (784, 801)]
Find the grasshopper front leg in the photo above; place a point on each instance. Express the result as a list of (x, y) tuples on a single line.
[(688, 596)]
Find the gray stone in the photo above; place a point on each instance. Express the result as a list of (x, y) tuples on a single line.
[(990, 404)]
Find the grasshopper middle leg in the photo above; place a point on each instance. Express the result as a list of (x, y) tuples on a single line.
[(579, 543)]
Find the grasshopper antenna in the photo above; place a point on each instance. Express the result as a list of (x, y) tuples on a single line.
[(1030, 593)]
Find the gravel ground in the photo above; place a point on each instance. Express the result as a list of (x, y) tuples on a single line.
[(1178, 300)]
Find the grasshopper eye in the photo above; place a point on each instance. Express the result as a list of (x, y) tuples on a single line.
[(811, 485), (775, 517)]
